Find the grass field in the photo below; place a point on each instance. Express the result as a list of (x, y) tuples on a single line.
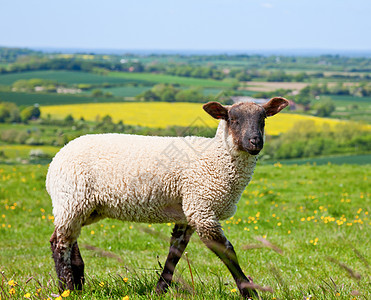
[(338, 160), (161, 78), (23, 151), (161, 114), (123, 91), (261, 86), (68, 77), (351, 107), (52, 99), (316, 220)]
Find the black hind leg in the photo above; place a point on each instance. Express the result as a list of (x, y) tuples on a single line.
[(77, 267), (61, 249)]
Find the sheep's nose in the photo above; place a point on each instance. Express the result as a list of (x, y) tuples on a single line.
[(254, 141)]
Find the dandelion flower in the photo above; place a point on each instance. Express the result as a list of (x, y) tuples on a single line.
[(12, 283), (27, 295), (92, 232), (66, 293), (233, 290), (125, 279), (101, 284), (125, 298)]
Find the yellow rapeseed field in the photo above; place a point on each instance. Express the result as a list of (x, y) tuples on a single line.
[(163, 114)]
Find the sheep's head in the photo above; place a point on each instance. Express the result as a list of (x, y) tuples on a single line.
[(246, 121)]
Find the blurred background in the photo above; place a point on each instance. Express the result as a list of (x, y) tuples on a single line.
[(75, 67), (302, 227)]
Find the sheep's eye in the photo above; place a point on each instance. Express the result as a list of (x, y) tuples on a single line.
[(234, 121)]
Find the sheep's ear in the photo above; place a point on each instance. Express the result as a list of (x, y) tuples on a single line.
[(216, 110), (275, 105)]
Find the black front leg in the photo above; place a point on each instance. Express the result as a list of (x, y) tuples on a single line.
[(179, 240), (215, 240)]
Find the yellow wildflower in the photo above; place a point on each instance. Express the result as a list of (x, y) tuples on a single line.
[(125, 279), (12, 291), (101, 284), (125, 298), (12, 283), (233, 290), (27, 295), (66, 293)]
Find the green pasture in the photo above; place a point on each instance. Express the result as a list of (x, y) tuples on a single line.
[(363, 159), (123, 91), (23, 151), (161, 78), (132, 91), (352, 107), (52, 99), (346, 101), (69, 77), (247, 93), (211, 91), (301, 232)]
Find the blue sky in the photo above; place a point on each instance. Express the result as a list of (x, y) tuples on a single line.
[(189, 25)]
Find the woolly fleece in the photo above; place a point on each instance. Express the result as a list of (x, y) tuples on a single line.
[(191, 180)]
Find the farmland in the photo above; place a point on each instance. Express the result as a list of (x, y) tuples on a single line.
[(69, 77), (318, 216), (123, 91), (159, 78), (166, 114), (261, 86), (302, 225), (51, 99)]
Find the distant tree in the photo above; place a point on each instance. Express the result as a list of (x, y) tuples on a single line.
[(300, 77), (69, 119), (107, 119), (278, 76), (168, 95), (30, 113), (30, 84), (9, 112), (324, 108), (148, 95), (243, 76), (189, 95), (304, 97), (97, 93)]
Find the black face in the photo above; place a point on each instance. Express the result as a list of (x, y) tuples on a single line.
[(246, 121), (246, 124)]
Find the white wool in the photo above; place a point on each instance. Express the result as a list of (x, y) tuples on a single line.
[(189, 180)]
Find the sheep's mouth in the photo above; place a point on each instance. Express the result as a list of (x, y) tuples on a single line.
[(254, 152)]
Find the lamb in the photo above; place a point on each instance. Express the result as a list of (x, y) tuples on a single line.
[(194, 182)]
